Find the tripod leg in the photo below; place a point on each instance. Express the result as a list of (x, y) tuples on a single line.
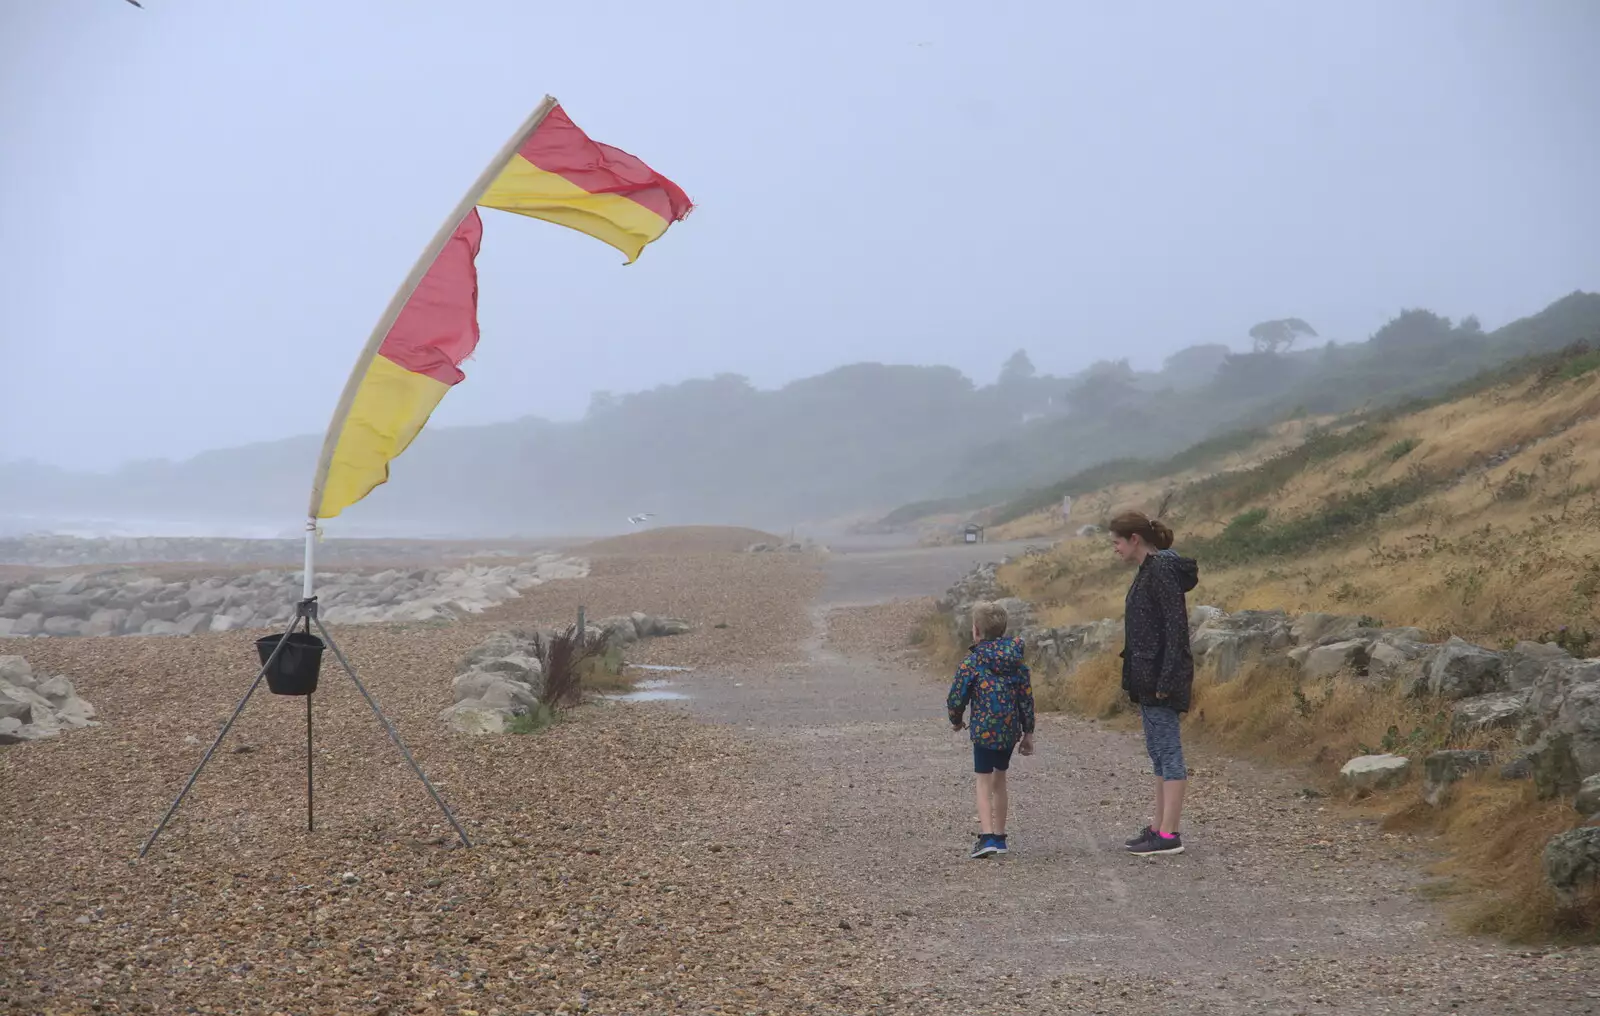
[(224, 733), (394, 735), (311, 825)]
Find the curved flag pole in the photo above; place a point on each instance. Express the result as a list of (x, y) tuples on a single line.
[(391, 314)]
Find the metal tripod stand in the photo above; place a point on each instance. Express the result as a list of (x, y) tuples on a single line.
[(305, 617)]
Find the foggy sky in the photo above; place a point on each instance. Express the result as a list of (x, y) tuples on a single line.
[(206, 205)]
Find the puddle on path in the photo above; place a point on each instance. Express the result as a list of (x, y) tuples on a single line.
[(651, 691)]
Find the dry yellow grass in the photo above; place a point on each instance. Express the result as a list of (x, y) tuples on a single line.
[(1272, 713), (1505, 551), (1494, 831), (1094, 689)]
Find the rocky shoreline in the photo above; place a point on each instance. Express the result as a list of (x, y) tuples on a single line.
[(50, 550), (126, 601)]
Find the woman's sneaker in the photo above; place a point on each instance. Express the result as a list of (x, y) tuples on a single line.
[(1144, 834), (1158, 844), (985, 847), (999, 841)]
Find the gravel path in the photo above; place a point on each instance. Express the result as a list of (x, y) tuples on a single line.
[(790, 839), (1281, 904)]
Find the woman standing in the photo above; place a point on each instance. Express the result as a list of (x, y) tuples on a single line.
[(1157, 668)]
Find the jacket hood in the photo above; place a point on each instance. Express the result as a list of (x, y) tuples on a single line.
[(1187, 569), (1002, 655)]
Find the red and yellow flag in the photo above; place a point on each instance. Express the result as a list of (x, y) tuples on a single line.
[(556, 173)]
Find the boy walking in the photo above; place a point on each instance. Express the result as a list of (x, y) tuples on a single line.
[(995, 682)]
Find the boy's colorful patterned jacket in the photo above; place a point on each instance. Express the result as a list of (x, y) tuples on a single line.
[(996, 682)]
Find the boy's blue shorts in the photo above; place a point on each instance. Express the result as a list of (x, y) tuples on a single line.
[(987, 760)]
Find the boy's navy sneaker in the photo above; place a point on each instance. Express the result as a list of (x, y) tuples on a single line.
[(1158, 844), (999, 841), (985, 847), (1144, 834)]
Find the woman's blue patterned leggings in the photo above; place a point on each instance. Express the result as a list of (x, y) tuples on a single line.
[(1162, 742)]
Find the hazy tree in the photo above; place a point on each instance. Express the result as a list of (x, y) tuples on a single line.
[(1194, 366), (1278, 336), (1106, 385), (1251, 374), (1017, 368), (1413, 328)]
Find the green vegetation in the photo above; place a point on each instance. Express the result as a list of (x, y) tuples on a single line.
[(1250, 537), (1400, 449)]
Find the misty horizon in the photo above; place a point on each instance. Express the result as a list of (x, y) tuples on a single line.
[(313, 439)]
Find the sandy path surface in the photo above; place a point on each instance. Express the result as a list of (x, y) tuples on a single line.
[(790, 839)]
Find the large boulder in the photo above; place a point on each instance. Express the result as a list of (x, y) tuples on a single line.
[(512, 695), (1226, 643), (1202, 615), (1352, 657), (74, 605), (134, 594), (1442, 769), (11, 730), (31, 623), (1526, 662), (516, 667), (620, 631), (1311, 629), (1394, 657), (14, 706), (1553, 766), (672, 626), (1572, 861), (192, 623), (1065, 649), (1489, 712), (1461, 670), (70, 585), (1587, 800), (16, 670), (206, 596), (63, 626), (978, 584), (1565, 701), (471, 684), (1374, 772), (473, 717), (165, 610), (19, 601), (500, 645), (105, 621)]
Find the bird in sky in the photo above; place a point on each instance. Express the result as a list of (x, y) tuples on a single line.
[(641, 518)]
